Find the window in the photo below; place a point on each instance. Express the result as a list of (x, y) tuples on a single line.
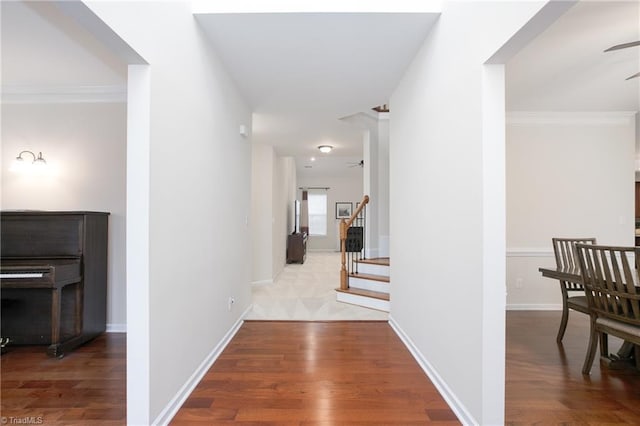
[(317, 214)]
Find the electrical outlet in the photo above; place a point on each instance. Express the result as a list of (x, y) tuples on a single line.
[(519, 283), (231, 302)]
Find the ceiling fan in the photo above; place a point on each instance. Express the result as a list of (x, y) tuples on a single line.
[(360, 164), (624, 46)]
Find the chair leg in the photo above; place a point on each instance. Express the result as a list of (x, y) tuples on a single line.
[(591, 351), (604, 344), (563, 321)]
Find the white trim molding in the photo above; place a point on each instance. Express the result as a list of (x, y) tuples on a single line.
[(63, 94), (262, 282), (181, 396), (116, 328), (599, 118), (454, 403), (535, 307), (529, 252)]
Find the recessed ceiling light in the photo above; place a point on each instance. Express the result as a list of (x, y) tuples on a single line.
[(325, 148)]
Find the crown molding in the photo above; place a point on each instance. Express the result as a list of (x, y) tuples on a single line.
[(596, 118), (33, 94)]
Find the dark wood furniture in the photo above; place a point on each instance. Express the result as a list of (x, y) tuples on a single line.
[(573, 296), (637, 200), (297, 247), (621, 359), (53, 278), (609, 277)]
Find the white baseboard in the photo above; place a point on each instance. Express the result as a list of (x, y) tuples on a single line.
[(116, 328), (262, 282), (181, 396), (456, 406), (535, 307)]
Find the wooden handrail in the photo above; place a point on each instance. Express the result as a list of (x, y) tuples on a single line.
[(344, 225)]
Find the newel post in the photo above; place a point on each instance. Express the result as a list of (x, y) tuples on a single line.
[(343, 250)]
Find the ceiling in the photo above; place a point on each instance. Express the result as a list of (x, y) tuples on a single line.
[(43, 48), (302, 72), (565, 68)]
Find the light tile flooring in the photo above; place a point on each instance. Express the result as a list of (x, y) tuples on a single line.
[(307, 292)]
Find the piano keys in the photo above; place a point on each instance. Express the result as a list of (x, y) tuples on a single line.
[(53, 276)]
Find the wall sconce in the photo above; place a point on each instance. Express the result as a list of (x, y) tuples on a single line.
[(37, 161), (325, 149), (21, 163)]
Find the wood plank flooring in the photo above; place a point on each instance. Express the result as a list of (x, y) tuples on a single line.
[(544, 383), (85, 387), (310, 373), (298, 372)]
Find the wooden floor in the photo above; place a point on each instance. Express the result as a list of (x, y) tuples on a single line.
[(544, 383), (85, 387), (305, 373)]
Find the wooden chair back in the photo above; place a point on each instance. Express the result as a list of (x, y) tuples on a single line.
[(564, 250), (610, 278)]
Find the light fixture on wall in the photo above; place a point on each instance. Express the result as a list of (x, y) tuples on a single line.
[(37, 161), (325, 149), (21, 163)]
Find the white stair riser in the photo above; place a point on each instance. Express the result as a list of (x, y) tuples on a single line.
[(367, 302), (367, 268), (369, 285)]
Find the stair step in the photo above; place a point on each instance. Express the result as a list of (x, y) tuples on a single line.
[(372, 277), (366, 298), (371, 285), (367, 293), (375, 261)]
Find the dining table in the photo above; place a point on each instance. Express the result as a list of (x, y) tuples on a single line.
[(624, 358)]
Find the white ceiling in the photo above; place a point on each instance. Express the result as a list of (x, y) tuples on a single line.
[(565, 68), (301, 73), (43, 48)]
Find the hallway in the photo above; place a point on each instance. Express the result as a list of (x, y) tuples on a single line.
[(307, 293)]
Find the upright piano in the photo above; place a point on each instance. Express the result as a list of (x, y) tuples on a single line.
[(53, 278)]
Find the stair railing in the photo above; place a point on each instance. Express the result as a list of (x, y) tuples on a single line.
[(352, 241)]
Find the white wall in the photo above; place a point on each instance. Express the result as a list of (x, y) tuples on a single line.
[(263, 159), (85, 147), (273, 193), (200, 182), (440, 300), (284, 190), (568, 175), (342, 189), (383, 186)]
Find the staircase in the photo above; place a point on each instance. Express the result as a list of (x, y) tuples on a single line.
[(368, 284)]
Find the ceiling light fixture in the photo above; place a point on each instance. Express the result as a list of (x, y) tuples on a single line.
[(325, 149)]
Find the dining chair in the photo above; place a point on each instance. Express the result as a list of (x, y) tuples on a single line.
[(610, 277), (566, 259)]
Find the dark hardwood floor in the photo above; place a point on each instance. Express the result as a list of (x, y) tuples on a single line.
[(310, 373), (544, 383), (85, 387)]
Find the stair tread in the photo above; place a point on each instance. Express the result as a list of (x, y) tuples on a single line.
[(366, 293), (375, 261), (373, 277)]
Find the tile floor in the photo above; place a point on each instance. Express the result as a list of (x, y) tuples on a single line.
[(307, 293)]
